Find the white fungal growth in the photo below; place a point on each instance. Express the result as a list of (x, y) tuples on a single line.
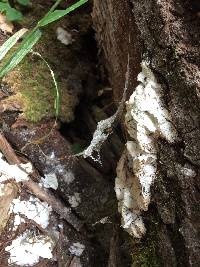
[(76, 249), (50, 181), (104, 127), (33, 209), (17, 221), (19, 173), (146, 119), (188, 172), (101, 134), (74, 200), (64, 36), (99, 137), (68, 177), (28, 248)]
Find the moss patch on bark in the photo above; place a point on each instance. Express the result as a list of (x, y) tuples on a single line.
[(32, 89)]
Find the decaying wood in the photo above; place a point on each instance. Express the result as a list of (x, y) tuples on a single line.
[(114, 249), (117, 37), (9, 193), (8, 151), (105, 127), (64, 212), (51, 153), (169, 37)]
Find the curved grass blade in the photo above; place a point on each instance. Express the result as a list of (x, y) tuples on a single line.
[(57, 14), (25, 47), (11, 42), (24, 2), (57, 99)]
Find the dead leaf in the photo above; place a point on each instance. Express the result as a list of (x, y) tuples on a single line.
[(5, 25)]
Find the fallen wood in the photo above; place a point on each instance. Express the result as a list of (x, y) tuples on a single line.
[(64, 212)]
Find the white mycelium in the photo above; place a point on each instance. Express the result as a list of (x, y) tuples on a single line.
[(33, 209), (146, 120), (50, 181), (19, 173), (27, 249), (76, 249)]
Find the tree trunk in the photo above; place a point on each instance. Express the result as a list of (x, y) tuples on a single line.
[(166, 34)]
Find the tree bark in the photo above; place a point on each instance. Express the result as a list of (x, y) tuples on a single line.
[(166, 34), (116, 33)]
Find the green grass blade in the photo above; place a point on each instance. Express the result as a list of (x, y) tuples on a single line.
[(25, 47), (54, 7), (24, 2), (3, 7), (12, 14), (11, 42), (57, 14)]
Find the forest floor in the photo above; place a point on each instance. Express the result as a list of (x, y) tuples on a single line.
[(64, 209)]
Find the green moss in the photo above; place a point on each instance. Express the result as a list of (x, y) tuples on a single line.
[(146, 257), (34, 92), (145, 251), (31, 82), (33, 89)]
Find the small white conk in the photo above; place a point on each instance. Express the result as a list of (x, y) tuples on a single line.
[(63, 36)]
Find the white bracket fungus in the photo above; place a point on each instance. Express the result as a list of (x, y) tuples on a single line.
[(146, 120)]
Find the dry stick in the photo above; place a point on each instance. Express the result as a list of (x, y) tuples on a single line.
[(7, 151), (104, 127), (64, 212)]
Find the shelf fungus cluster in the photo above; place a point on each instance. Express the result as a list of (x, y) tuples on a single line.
[(146, 119)]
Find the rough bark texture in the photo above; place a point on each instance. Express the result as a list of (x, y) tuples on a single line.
[(169, 34), (116, 33)]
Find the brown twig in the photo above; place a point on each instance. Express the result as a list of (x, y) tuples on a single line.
[(64, 212), (8, 151)]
